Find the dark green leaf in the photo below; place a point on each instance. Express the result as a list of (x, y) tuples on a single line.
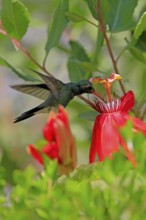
[(78, 51), (58, 25), (20, 74), (15, 18), (78, 56), (74, 17), (120, 16), (105, 6), (141, 42)]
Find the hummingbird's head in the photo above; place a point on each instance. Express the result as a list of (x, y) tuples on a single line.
[(84, 86)]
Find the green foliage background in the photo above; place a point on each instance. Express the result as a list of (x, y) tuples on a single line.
[(66, 31)]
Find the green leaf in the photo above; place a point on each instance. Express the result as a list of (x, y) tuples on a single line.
[(75, 71), (105, 6), (20, 74), (78, 51), (74, 17), (138, 54), (78, 56), (40, 143), (87, 67), (140, 27), (43, 214), (58, 25), (121, 15), (141, 42), (99, 44), (92, 4), (117, 14), (15, 18)]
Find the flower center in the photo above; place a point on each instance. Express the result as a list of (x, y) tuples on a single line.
[(108, 107)]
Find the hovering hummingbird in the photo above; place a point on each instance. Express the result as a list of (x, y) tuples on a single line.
[(53, 91)]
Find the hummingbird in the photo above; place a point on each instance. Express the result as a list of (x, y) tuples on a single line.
[(54, 93)]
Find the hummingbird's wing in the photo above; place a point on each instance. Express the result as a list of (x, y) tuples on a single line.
[(40, 91), (53, 84)]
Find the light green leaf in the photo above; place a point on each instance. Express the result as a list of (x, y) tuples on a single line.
[(92, 6), (99, 44), (138, 54), (120, 16), (15, 18), (75, 72), (74, 17), (27, 77), (58, 25), (87, 67), (140, 27)]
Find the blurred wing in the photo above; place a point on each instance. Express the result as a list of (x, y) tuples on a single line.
[(40, 91), (53, 84)]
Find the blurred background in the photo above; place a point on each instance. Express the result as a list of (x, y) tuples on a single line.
[(15, 137)]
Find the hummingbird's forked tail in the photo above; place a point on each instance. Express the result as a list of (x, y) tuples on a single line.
[(28, 114)]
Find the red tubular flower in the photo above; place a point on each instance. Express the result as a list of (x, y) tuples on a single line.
[(106, 138), (61, 143)]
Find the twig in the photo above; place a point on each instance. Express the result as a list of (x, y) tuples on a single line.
[(103, 30), (33, 60)]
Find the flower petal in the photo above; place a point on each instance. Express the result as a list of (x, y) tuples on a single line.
[(48, 131), (95, 147), (128, 153), (35, 153), (63, 116), (127, 102), (109, 135), (139, 125), (51, 150), (120, 118)]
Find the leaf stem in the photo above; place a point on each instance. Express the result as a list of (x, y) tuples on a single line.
[(120, 54), (89, 21), (103, 30)]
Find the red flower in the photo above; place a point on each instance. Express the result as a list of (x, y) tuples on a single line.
[(61, 143), (106, 138)]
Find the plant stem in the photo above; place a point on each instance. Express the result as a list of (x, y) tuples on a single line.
[(33, 60), (143, 115), (103, 30)]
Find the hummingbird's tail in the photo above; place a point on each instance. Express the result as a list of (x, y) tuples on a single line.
[(29, 113)]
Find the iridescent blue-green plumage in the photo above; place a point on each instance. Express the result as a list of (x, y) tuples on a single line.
[(53, 92)]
